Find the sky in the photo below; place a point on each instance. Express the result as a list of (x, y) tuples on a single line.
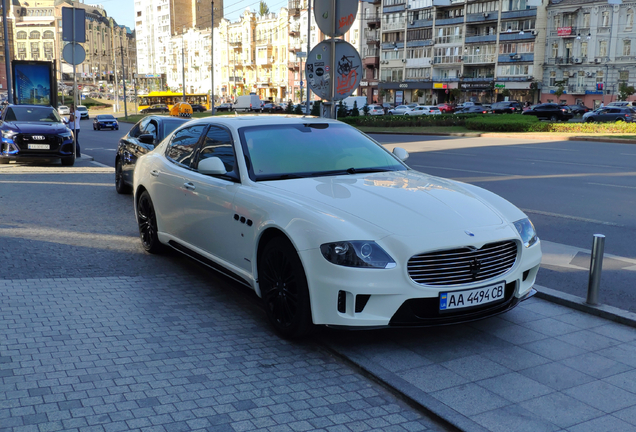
[(123, 11)]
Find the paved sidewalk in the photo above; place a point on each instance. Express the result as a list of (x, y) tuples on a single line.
[(188, 352)]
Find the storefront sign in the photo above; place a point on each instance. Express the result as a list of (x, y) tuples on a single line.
[(440, 86), (593, 92), (364, 83), (475, 85), (500, 86), (564, 31)]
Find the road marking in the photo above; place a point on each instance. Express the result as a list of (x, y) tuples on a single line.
[(542, 148), (611, 185), (576, 218), (627, 154), (567, 163), (462, 170)]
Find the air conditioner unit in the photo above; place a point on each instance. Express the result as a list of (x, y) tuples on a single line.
[(459, 75), (403, 60), (515, 56), (588, 74), (578, 61), (535, 32), (597, 60), (485, 14), (411, 22)]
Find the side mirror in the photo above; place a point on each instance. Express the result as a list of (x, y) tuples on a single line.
[(400, 153), (212, 166), (147, 138)]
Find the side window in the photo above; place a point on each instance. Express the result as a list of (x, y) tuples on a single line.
[(10, 117), (183, 144), (151, 128), (218, 143), (138, 128)]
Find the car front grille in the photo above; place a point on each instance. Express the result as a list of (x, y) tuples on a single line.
[(23, 141), (463, 265)]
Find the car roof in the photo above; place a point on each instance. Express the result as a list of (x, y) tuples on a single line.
[(236, 122)]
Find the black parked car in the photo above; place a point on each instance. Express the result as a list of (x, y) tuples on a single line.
[(612, 114), (550, 111), (224, 107), (578, 109), (507, 107), (272, 108), (34, 132), (475, 109), (141, 139), (156, 108), (198, 108)]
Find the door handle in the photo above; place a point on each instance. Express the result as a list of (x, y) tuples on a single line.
[(154, 173), (189, 186)]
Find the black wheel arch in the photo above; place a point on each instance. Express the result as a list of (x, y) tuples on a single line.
[(266, 237)]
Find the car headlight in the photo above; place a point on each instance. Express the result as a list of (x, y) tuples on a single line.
[(357, 253), (526, 231), (8, 135)]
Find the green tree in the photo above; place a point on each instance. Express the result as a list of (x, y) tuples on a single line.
[(560, 89), (289, 109), (263, 9), (298, 109), (625, 91), (366, 109), (315, 109), (342, 110), (355, 112)]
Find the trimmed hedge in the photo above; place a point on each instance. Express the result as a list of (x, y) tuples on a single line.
[(415, 121), (617, 128), (505, 123)]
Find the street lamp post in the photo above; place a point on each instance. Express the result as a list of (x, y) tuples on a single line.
[(212, 58), (7, 63), (183, 63)]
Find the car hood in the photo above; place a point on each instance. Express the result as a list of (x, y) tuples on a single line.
[(36, 127), (400, 202)]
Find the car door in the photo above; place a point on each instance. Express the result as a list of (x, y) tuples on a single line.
[(169, 192), (129, 150), (210, 222), (612, 114)]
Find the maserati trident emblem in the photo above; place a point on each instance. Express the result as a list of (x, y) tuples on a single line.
[(469, 233), (474, 267), (38, 137)]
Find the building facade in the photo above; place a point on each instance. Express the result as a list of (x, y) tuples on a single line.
[(3, 61), (590, 51), (433, 51)]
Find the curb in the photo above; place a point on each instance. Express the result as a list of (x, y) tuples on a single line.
[(603, 311), (496, 135)]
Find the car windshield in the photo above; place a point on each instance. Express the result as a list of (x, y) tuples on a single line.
[(277, 152), (32, 114), (105, 117), (82, 108)]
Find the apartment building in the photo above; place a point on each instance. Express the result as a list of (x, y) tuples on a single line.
[(157, 21), (436, 50), (590, 51), (369, 14)]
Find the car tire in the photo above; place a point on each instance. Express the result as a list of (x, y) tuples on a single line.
[(620, 119), (554, 118), (68, 162), (120, 185), (147, 222), (94, 127), (589, 120), (284, 289), (99, 127)]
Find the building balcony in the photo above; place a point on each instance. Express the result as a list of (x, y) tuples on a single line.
[(438, 60), (294, 48), (449, 39), (235, 43), (480, 58), (292, 65), (373, 21), (264, 41), (294, 30), (577, 89), (294, 8), (371, 62), (394, 25)]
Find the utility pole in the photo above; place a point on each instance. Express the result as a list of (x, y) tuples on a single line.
[(183, 63), (123, 75), (7, 60), (212, 60), (308, 111)]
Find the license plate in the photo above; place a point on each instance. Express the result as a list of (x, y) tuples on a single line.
[(39, 147), (471, 297)]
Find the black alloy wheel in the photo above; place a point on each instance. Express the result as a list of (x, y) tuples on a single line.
[(284, 289), (554, 118), (147, 221), (120, 184)]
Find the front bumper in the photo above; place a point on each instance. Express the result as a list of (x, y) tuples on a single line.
[(353, 297)]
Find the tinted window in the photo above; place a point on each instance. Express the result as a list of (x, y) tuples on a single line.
[(170, 125), (151, 128), (218, 143), (184, 143), (281, 151)]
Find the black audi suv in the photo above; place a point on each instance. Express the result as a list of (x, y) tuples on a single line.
[(34, 133)]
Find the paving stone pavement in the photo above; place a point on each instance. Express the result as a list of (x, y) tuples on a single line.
[(159, 343)]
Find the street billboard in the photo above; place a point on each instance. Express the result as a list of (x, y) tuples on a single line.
[(34, 82)]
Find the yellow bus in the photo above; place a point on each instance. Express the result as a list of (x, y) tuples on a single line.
[(170, 98)]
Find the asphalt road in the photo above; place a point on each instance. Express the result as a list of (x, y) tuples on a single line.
[(571, 190)]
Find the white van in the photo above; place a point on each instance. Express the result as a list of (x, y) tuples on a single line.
[(248, 103), (349, 101)]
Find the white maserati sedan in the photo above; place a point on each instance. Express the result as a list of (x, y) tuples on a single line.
[(330, 228)]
